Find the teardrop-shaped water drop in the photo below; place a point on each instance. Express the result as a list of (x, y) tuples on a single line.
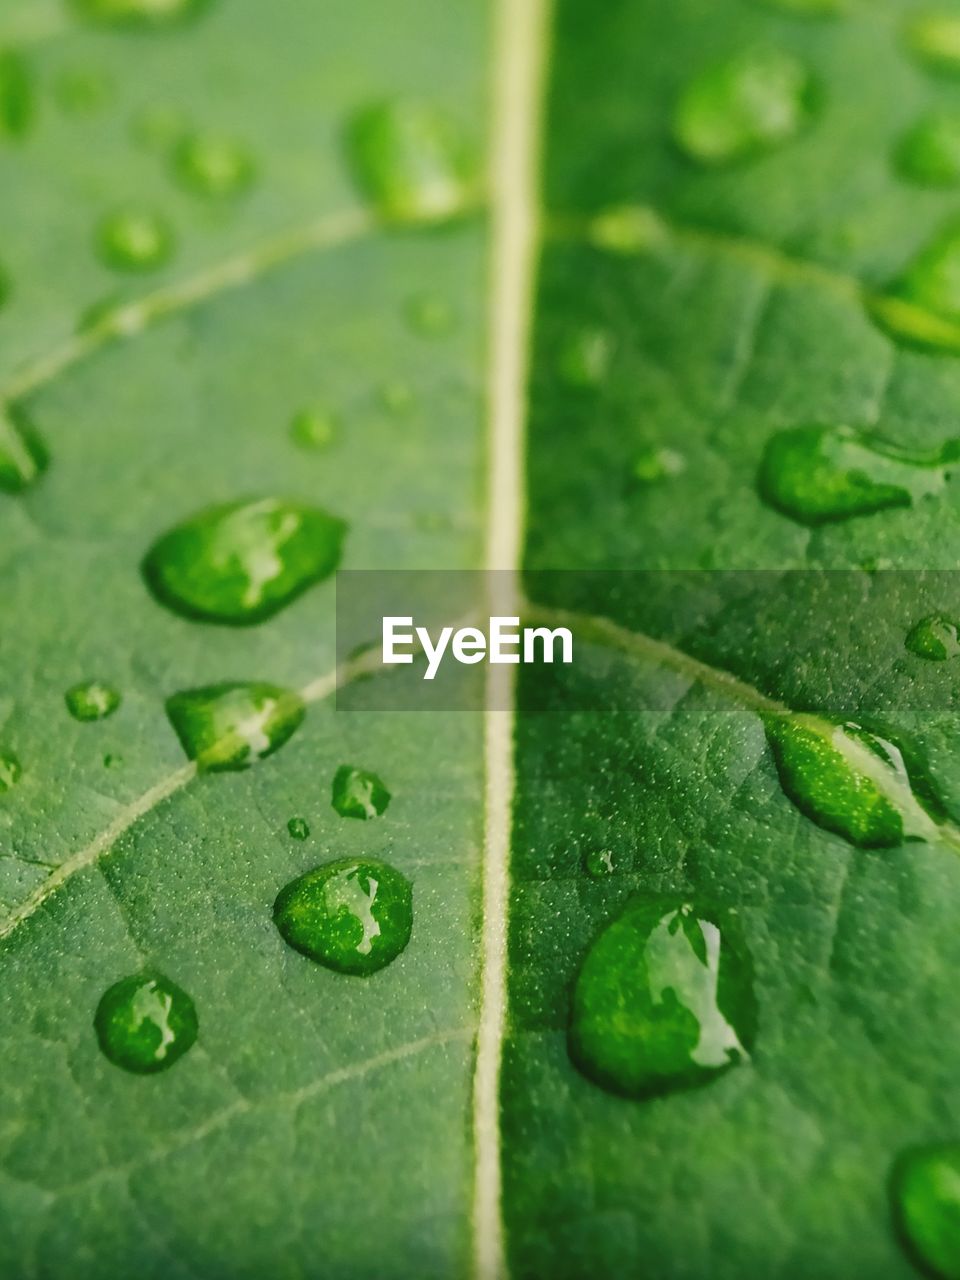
[(10, 771), (92, 700), (233, 724), (299, 828), (134, 240), (750, 104), (929, 154), (848, 781), (933, 38), (16, 95), (922, 307), (244, 561), (819, 474), (212, 165), (663, 1001), (935, 638), (411, 162), (353, 915), (145, 1023), (313, 428), (139, 13), (23, 455), (925, 1194), (357, 793)]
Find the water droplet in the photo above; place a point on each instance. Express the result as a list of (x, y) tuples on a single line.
[(23, 457), (411, 162), (430, 316), (925, 1191), (16, 95), (922, 307), (935, 638), (358, 794), (929, 154), (934, 38), (298, 828), (848, 781), (231, 725), (397, 397), (139, 13), (353, 916), (209, 164), (585, 357), (313, 428), (160, 127), (112, 761), (663, 1001), (92, 700), (81, 90), (242, 562), (658, 464), (751, 103), (819, 474), (808, 8), (600, 863), (134, 240), (145, 1023), (10, 771), (627, 229)]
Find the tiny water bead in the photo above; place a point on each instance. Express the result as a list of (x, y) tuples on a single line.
[(819, 474), (925, 1195), (242, 562), (848, 781), (212, 165), (411, 162), (658, 464), (600, 863), (922, 307), (929, 154), (750, 104), (298, 828), (10, 771), (16, 95), (230, 726), (934, 39), (92, 700), (663, 1001), (358, 793), (430, 315), (397, 397), (145, 1023), (313, 428), (353, 916), (139, 13), (134, 240), (935, 638), (585, 357), (23, 455)]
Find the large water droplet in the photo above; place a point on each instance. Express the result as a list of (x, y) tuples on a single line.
[(134, 240), (922, 307), (848, 781), (664, 1000), (925, 1191), (929, 154), (359, 794), (244, 561), (935, 638), (139, 13), (23, 457), (145, 1023), (211, 165), (16, 95), (10, 771), (353, 916), (298, 828), (411, 162), (934, 38), (313, 428), (819, 474), (751, 103), (92, 700), (233, 724)]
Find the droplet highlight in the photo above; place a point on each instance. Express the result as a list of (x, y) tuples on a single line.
[(298, 828), (922, 307), (358, 793), (658, 464), (929, 154), (134, 240), (232, 725), (820, 474), (214, 166), (92, 700), (925, 1196), (145, 1023), (243, 562), (935, 638), (663, 1001)]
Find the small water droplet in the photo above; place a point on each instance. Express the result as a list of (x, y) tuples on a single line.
[(242, 562), (627, 229), (313, 428), (664, 1000), (922, 307), (359, 794), (353, 916), (585, 357), (92, 700), (430, 315), (411, 162), (82, 90), (658, 464), (160, 127), (819, 474), (298, 828), (134, 240), (23, 457), (209, 164), (10, 771), (112, 761), (397, 397), (752, 103), (600, 863), (929, 154), (145, 1023), (139, 13), (231, 725), (935, 638), (809, 8), (848, 781), (16, 95), (925, 1195), (934, 39)]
